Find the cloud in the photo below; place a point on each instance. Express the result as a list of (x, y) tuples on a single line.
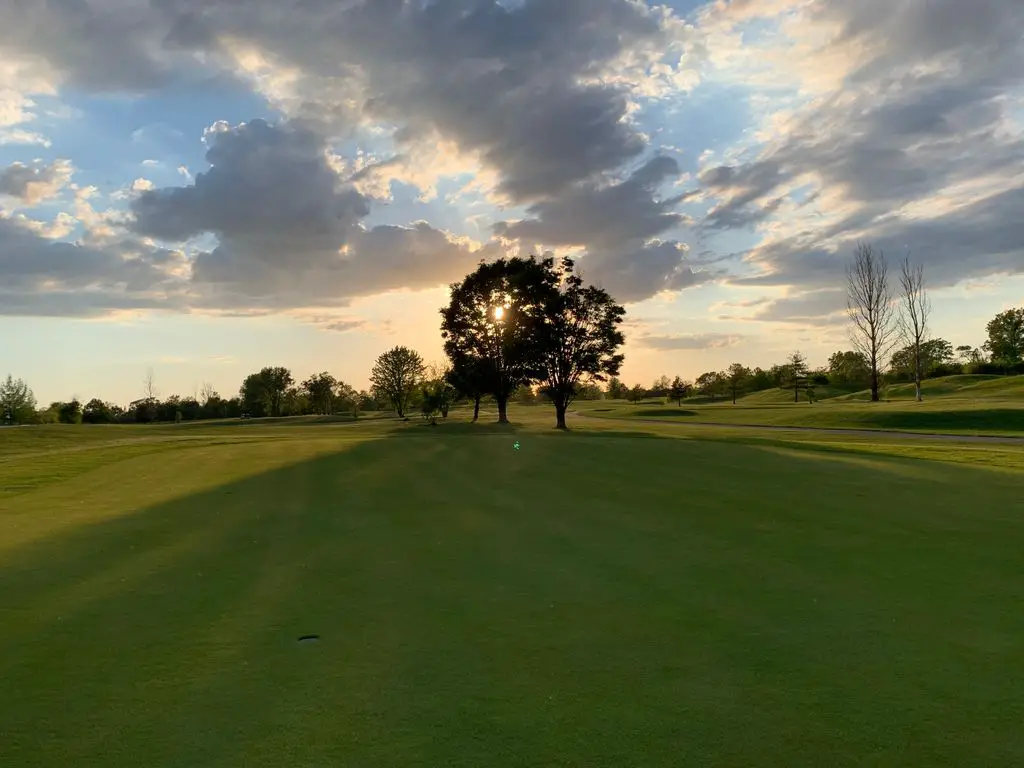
[(917, 149), (603, 216), (689, 342), (826, 306), (536, 98), (21, 136), (633, 275), (540, 91), (39, 276), (289, 226), (62, 225), (32, 184), (896, 121), (345, 326)]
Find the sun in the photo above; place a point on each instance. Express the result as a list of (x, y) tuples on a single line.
[(499, 312)]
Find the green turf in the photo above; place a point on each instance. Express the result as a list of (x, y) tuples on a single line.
[(981, 416), (621, 596)]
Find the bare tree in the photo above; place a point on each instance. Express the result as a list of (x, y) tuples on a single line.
[(869, 303), (913, 318), (148, 386), (206, 393)]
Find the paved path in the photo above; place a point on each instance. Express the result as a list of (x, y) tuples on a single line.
[(878, 434)]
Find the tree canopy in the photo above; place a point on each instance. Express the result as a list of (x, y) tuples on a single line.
[(17, 403), (492, 324), (1006, 337), (395, 376), (518, 322), (262, 393), (579, 338)]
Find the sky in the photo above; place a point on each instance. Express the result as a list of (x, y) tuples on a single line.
[(206, 187)]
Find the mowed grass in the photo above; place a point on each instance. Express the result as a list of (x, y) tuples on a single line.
[(612, 596), (967, 405)]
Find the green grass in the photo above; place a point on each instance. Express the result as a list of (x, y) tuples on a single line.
[(969, 387), (622, 595), (980, 406)]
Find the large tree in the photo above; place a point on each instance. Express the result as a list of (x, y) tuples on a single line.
[(98, 412), (915, 309), (849, 368), (70, 412), (678, 390), (1006, 337), (738, 375), (320, 389), (932, 353), (579, 340), (869, 304), (492, 324), (796, 374), (615, 389), (711, 383), (17, 403), (469, 375), (395, 376), (263, 393)]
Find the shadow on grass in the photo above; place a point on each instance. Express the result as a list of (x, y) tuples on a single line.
[(578, 432), (430, 579), (665, 412), (997, 419)]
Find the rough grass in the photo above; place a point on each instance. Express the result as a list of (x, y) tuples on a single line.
[(604, 597)]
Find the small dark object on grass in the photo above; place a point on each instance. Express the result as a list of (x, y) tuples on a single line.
[(309, 639)]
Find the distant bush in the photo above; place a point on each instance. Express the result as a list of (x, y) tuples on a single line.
[(945, 369)]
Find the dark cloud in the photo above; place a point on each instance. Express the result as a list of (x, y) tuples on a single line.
[(34, 183), (523, 86), (632, 275), (289, 226), (520, 85), (604, 217), (814, 307), (39, 276), (267, 186), (509, 83), (106, 45)]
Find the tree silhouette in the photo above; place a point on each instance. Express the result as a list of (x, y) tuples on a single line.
[(678, 390), (915, 308), (869, 304), (1006, 337), (395, 376), (579, 338), (491, 325)]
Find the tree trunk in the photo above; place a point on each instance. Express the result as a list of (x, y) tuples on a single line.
[(874, 385), (796, 393), (560, 408), (503, 410), (917, 374), (476, 407)]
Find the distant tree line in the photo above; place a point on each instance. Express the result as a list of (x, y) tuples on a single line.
[(848, 370), (530, 331), (271, 391)]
